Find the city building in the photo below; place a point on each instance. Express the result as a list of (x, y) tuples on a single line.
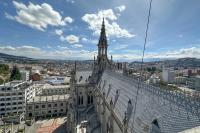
[(49, 101), (57, 80), (154, 79), (47, 106), (36, 77), (168, 75), (105, 101), (13, 97), (25, 75), (190, 72), (55, 90), (193, 82)]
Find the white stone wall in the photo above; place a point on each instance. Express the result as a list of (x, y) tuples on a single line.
[(46, 109)]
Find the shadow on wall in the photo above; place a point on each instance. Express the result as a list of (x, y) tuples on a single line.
[(61, 129)]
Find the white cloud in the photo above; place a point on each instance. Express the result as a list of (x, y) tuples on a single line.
[(62, 38), (58, 32), (193, 52), (38, 16), (121, 8), (70, 1), (25, 50), (7, 48), (120, 47), (35, 52), (84, 39), (77, 45), (71, 39), (94, 21), (48, 46), (92, 41), (28, 48), (66, 53), (68, 20), (180, 35), (8, 16), (62, 47)]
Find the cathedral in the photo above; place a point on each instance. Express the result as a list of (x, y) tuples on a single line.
[(103, 100)]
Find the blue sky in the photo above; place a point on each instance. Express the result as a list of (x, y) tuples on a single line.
[(69, 29)]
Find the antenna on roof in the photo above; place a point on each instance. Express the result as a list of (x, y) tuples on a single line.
[(141, 67)]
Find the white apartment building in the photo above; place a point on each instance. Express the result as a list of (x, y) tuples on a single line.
[(25, 75), (47, 106), (13, 96), (168, 75)]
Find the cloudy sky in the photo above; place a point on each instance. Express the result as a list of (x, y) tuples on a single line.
[(69, 29)]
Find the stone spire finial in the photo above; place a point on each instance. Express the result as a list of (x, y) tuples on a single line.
[(129, 109), (111, 102), (103, 23)]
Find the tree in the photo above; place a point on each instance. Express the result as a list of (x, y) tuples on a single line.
[(4, 69), (151, 69), (15, 74)]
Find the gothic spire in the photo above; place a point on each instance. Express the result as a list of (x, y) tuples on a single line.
[(103, 38)]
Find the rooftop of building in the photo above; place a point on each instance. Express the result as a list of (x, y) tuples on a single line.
[(57, 80), (12, 83), (48, 86), (49, 98), (170, 109)]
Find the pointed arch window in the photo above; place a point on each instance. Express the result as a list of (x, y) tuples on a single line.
[(81, 99), (91, 99), (88, 99)]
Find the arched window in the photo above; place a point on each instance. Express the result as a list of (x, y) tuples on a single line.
[(91, 99), (88, 99), (81, 99)]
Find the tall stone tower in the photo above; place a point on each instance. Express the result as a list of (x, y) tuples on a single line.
[(102, 59)]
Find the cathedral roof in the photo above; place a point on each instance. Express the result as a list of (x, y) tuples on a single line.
[(83, 76), (170, 111)]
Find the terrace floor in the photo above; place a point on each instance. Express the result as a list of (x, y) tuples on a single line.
[(53, 125)]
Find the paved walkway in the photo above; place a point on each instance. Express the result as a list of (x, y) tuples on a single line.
[(50, 126)]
